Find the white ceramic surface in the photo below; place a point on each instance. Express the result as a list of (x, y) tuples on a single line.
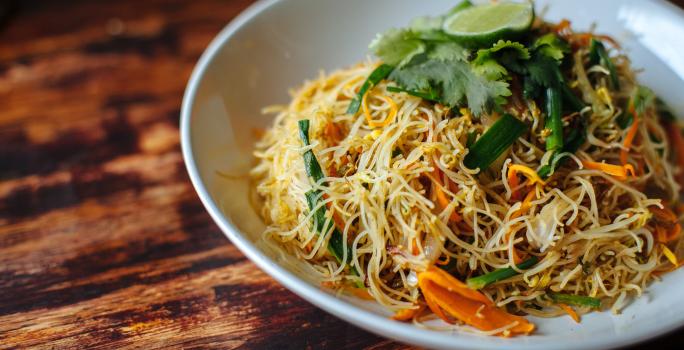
[(275, 45)]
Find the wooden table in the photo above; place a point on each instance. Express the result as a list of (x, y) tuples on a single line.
[(103, 242)]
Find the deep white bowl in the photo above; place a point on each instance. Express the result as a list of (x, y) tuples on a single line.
[(275, 45)]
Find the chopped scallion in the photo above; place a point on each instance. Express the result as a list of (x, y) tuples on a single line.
[(380, 73), (577, 300), (480, 282), (497, 139)]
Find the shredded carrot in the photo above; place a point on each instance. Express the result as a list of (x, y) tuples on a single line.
[(339, 222), (517, 259), (332, 131), (513, 183), (441, 197), (361, 293), (621, 172), (443, 292), (527, 172), (563, 27), (667, 224), (570, 312), (369, 118), (414, 246), (629, 138), (408, 314)]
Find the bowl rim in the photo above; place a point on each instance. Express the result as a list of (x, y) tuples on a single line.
[(338, 307)]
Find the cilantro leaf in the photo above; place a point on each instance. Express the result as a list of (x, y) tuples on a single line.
[(495, 62), (449, 51), (542, 70), (551, 46), (396, 47), (458, 83)]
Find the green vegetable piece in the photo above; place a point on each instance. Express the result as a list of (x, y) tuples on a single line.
[(641, 99), (482, 281), (574, 140), (554, 123), (336, 240), (551, 45), (311, 165), (598, 54), (497, 139), (396, 47), (313, 169), (496, 61), (458, 84), (577, 300), (380, 73), (485, 24)]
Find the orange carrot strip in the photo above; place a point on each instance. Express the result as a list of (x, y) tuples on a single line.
[(444, 292), (570, 312), (445, 280), (369, 118), (513, 183), (441, 197), (337, 219), (516, 256), (408, 314), (621, 172), (667, 224), (434, 307), (360, 293)]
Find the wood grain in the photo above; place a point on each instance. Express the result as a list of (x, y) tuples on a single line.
[(103, 242)]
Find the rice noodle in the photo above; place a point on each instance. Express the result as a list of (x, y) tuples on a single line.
[(589, 229)]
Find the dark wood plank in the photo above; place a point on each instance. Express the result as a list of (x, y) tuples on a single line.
[(103, 242)]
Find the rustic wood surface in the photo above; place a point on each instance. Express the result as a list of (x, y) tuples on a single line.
[(103, 242)]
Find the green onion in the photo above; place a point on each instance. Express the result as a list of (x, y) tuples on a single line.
[(472, 137), (430, 95), (313, 169), (336, 241), (480, 282), (574, 140), (374, 78), (577, 300), (598, 54), (497, 139), (311, 165), (554, 123)]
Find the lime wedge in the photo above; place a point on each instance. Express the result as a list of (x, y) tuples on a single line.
[(486, 24)]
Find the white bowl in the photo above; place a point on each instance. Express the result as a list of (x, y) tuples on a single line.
[(276, 45)]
